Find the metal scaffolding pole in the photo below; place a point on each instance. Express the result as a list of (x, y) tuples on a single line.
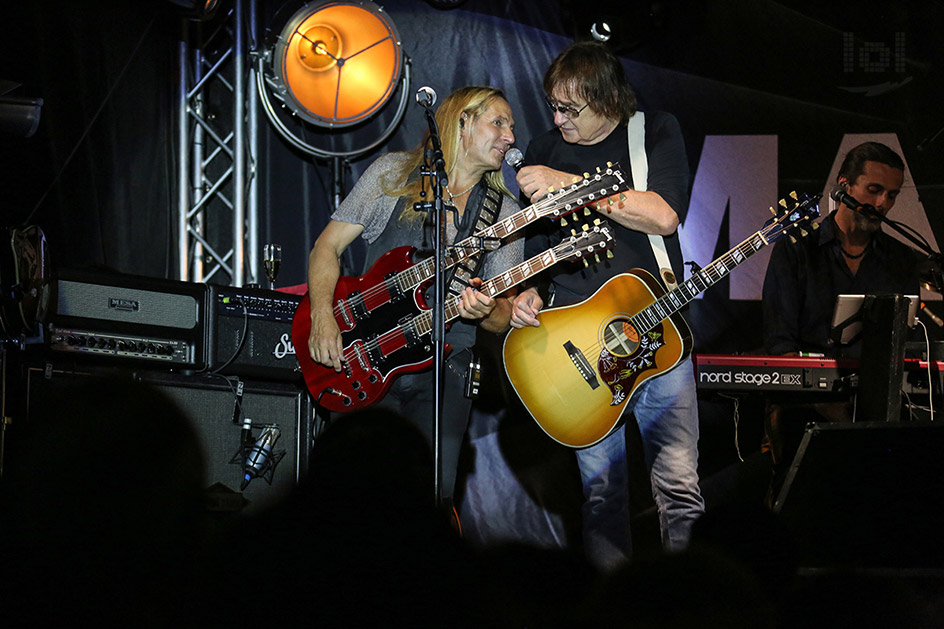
[(217, 135)]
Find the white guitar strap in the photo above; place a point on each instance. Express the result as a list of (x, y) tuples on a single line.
[(639, 165)]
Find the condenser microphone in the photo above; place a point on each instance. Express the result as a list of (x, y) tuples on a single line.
[(515, 159), (426, 96), (258, 460)]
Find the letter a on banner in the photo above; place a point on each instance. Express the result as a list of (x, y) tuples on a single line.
[(737, 173)]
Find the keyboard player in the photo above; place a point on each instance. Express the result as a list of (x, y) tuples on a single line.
[(848, 254)]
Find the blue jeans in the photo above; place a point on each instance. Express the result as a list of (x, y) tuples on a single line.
[(666, 410)]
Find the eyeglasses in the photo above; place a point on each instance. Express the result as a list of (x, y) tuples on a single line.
[(565, 110)]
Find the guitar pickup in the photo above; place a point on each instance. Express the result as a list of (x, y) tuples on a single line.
[(358, 308), (582, 364), (393, 287), (408, 329)]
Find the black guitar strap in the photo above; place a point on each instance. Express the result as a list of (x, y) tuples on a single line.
[(485, 213)]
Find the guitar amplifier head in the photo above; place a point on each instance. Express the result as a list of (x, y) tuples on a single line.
[(251, 333), (126, 318)]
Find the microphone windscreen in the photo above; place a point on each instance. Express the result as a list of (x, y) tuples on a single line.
[(836, 193), (515, 159)]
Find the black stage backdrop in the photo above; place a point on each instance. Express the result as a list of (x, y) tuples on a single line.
[(768, 95), (99, 175)]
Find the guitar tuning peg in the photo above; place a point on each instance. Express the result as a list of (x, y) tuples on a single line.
[(609, 254), (783, 203), (563, 222), (596, 221), (586, 264), (792, 239), (596, 258), (551, 190), (609, 164), (598, 169), (772, 210), (622, 197), (573, 232), (609, 200), (585, 227), (814, 226), (804, 233), (586, 176), (586, 211), (793, 195)]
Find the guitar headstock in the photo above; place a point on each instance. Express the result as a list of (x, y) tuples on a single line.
[(581, 192), (589, 240), (793, 217)]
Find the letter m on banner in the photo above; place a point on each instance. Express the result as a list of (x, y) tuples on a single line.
[(737, 174)]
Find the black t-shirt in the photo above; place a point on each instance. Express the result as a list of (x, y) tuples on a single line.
[(668, 177)]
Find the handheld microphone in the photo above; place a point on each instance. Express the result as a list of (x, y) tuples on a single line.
[(426, 96), (258, 459), (515, 159), (839, 195)]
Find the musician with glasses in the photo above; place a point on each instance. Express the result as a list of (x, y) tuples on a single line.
[(476, 129), (592, 104)]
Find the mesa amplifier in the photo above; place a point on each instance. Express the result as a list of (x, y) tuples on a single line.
[(126, 318), (250, 333)]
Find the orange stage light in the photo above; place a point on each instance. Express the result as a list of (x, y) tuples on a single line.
[(338, 62)]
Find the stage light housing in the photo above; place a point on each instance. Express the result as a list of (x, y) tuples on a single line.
[(336, 64)]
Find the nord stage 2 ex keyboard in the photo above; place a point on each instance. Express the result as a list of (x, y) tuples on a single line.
[(770, 374)]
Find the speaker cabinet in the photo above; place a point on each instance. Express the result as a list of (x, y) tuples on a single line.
[(865, 496), (210, 403)]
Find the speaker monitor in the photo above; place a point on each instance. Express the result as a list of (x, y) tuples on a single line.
[(209, 403), (865, 495)]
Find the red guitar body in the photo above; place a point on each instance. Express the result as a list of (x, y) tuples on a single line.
[(365, 308)]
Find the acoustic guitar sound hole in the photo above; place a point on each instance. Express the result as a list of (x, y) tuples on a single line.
[(620, 337)]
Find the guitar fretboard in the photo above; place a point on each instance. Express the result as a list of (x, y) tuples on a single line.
[(423, 323), (586, 243), (673, 301), (559, 203)]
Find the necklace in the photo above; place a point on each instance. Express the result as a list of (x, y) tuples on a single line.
[(453, 196), (854, 256)]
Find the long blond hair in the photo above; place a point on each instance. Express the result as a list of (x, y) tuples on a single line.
[(472, 101)]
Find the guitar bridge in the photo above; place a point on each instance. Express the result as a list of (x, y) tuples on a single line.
[(582, 364)]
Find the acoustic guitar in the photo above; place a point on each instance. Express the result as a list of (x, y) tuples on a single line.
[(575, 371)]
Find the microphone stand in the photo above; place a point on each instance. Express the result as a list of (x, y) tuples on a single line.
[(434, 167), (933, 256)]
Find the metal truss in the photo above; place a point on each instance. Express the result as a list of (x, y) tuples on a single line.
[(217, 198)]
